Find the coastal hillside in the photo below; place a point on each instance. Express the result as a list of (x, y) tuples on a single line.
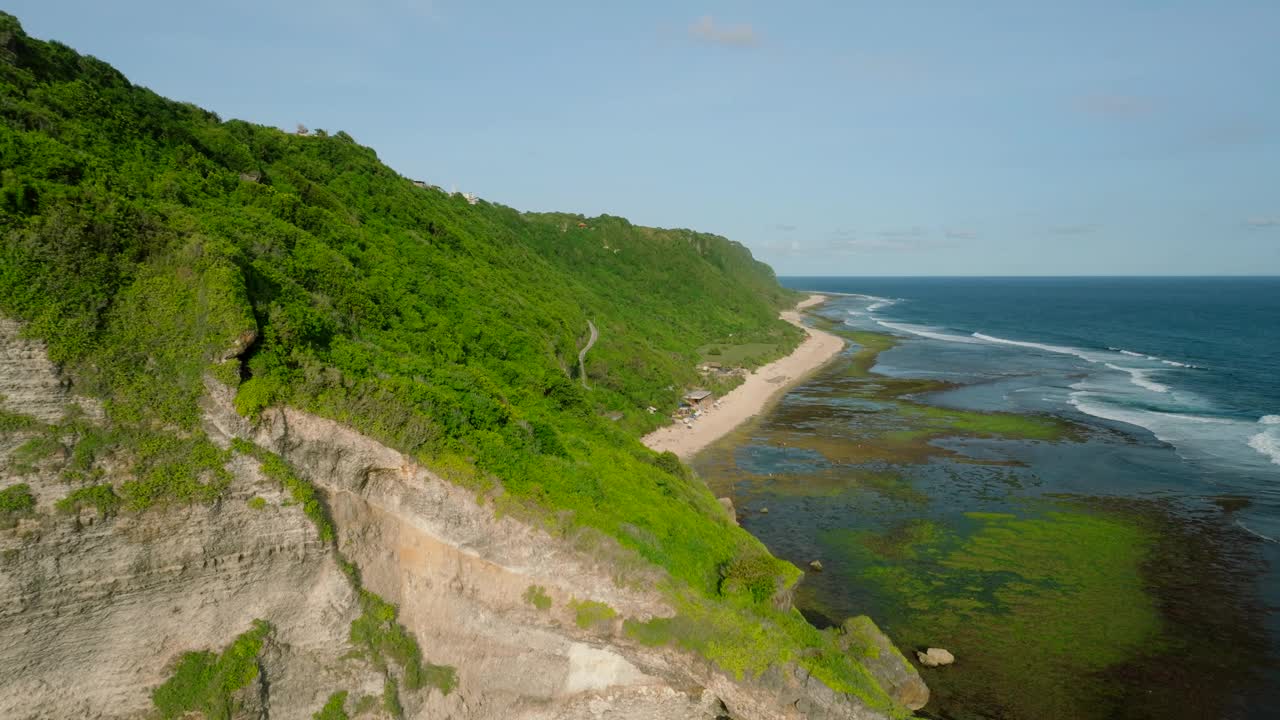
[(284, 433)]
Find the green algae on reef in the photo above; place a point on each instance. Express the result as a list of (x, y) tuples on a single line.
[(1058, 607), (1075, 608), (1061, 591)]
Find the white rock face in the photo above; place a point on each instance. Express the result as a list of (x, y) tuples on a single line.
[(93, 611), (29, 383)]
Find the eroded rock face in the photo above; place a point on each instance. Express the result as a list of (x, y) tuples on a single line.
[(29, 383), (94, 611), (881, 658)]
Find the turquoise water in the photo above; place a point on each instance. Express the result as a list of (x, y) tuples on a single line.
[(1176, 385)]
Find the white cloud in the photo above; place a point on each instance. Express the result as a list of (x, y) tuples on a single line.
[(1263, 222), (741, 35)]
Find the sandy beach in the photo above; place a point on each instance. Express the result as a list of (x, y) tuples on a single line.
[(755, 393)]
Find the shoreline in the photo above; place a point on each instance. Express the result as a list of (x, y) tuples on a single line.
[(757, 391)]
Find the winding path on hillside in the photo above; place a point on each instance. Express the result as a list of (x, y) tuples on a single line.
[(582, 354)]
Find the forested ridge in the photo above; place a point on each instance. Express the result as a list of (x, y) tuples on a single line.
[(151, 245)]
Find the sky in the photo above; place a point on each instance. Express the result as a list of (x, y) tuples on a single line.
[(831, 138)]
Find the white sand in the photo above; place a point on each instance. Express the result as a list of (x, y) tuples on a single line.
[(755, 393)]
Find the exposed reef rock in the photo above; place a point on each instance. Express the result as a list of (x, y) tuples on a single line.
[(935, 657)]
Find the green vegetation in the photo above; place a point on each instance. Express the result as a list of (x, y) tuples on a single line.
[(757, 574), (536, 595), (589, 614), (334, 708), (385, 641), (257, 503), (13, 421), (29, 454), (206, 682), (100, 497), (391, 698), (748, 354), (146, 241), (171, 468), (16, 500)]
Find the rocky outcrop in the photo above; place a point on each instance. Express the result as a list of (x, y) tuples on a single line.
[(93, 611), (898, 677), (935, 657)]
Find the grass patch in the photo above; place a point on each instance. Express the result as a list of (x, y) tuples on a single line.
[(205, 682), (175, 469), (227, 372), (536, 595), (589, 614), (100, 497), (745, 639), (257, 503), (748, 355), (26, 456), (334, 708), (14, 421), (16, 500), (391, 698)]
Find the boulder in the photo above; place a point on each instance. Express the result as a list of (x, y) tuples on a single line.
[(816, 565), (934, 657), (861, 639)]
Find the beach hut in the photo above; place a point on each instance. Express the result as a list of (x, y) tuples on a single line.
[(699, 399)]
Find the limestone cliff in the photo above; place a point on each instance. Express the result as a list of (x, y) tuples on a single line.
[(96, 607)]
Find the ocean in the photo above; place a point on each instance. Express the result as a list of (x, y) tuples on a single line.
[(1170, 388), (1191, 362)]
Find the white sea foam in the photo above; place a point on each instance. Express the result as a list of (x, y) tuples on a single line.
[(1217, 439), (1141, 378), (1255, 533), (1267, 442), (1153, 358), (1059, 349), (927, 332)]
